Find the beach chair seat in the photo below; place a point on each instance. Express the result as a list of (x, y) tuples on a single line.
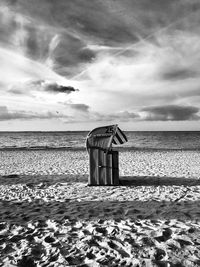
[(103, 160)]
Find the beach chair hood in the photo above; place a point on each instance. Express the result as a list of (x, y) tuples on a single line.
[(103, 137)]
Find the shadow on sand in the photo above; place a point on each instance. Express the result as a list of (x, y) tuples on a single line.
[(123, 180), (24, 211), (37, 209), (92, 210), (158, 181)]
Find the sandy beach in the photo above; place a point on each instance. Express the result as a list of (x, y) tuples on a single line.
[(50, 217)]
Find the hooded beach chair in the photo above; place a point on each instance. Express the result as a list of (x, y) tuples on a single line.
[(103, 160)]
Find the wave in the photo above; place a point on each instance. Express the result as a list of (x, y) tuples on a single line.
[(138, 141)]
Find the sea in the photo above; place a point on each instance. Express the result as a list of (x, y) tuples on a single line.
[(75, 140)]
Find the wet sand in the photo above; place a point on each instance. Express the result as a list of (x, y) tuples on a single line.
[(50, 217)]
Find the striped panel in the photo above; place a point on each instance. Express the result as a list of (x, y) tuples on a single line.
[(119, 137), (116, 140), (99, 137)]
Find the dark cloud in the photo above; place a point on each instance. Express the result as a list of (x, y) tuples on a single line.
[(79, 23), (178, 74), (8, 26), (6, 115), (30, 87), (36, 43), (48, 86), (80, 107), (19, 31), (43, 41), (171, 113), (69, 53), (93, 19), (10, 2), (56, 88), (86, 55), (111, 22)]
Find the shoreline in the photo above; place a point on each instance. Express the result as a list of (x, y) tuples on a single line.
[(120, 149)]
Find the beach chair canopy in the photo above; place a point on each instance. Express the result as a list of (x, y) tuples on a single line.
[(104, 137)]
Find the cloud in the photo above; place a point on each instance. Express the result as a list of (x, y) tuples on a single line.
[(83, 113), (69, 54), (113, 22), (17, 91), (6, 115), (178, 74), (79, 107), (39, 86), (153, 73), (170, 113), (57, 88), (124, 116), (61, 50), (95, 20), (16, 68)]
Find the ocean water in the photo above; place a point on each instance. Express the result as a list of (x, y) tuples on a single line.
[(76, 140)]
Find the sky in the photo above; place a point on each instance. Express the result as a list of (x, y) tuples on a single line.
[(80, 64)]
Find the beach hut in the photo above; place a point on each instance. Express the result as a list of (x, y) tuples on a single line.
[(103, 160)]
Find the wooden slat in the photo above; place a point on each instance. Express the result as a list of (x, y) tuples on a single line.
[(101, 168), (105, 168), (90, 166), (111, 169), (115, 159), (97, 167)]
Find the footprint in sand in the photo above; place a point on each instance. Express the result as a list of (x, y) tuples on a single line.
[(101, 230), (159, 254), (16, 238), (49, 239), (166, 234), (37, 251), (3, 226), (26, 261)]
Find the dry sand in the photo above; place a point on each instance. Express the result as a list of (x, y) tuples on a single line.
[(50, 217)]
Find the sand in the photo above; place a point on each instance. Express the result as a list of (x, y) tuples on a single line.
[(50, 217)]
